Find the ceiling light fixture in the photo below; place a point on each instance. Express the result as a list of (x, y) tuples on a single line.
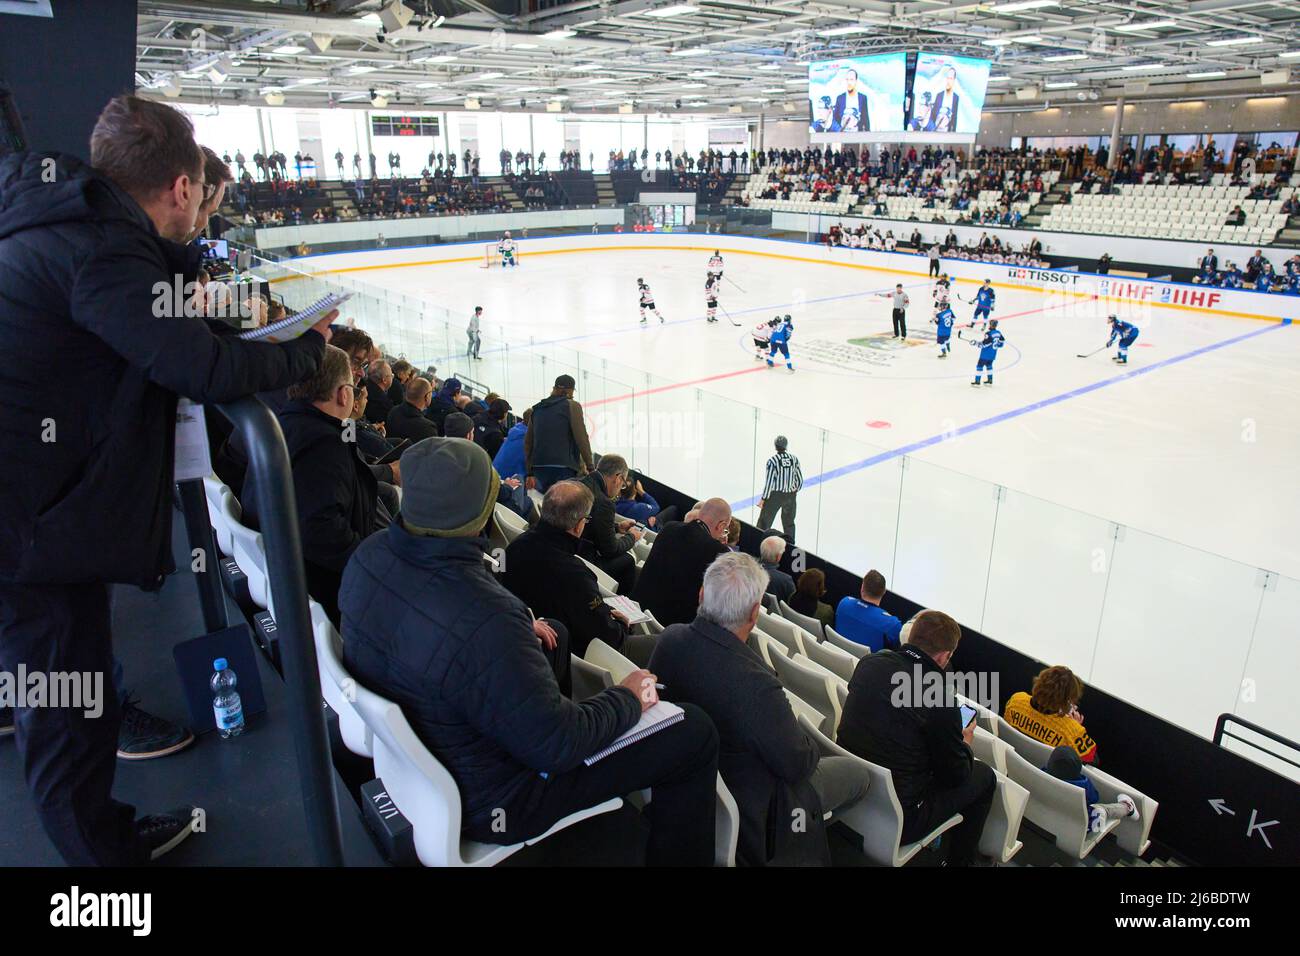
[(676, 10), (1018, 5), (1144, 25), (559, 34), (1062, 57), (1235, 41), (1206, 75)]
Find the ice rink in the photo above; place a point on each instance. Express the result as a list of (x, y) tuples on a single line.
[(1110, 501)]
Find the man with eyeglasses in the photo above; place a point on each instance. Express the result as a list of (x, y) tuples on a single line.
[(607, 538), (88, 472), (543, 570)]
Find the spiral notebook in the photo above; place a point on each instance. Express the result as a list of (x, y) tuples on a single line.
[(661, 715), (286, 330)]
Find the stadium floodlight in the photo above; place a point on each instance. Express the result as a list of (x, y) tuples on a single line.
[(1134, 67), (769, 66), (320, 42), (1137, 27), (220, 71), (396, 16), (559, 34), (998, 79), (691, 51), (359, 70), (289, 49), (1206, 75), (274, 97), (1062, 57), (676, 10), (473, 104), (1235, 41), (1060, 85)]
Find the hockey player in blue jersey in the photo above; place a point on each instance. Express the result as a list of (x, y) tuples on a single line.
[(1127, 334), (985, 298), (944, 318), (988, 347), (780, 339)]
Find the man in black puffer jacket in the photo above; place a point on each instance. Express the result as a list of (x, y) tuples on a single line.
[(92, 271), (427, 626)]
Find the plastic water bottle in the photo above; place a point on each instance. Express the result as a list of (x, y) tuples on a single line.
[(226, 705)]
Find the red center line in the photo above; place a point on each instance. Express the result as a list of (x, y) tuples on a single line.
[(666, 388)]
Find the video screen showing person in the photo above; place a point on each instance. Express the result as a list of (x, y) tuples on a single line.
[(215, 248), (948, 93), (858, 94)]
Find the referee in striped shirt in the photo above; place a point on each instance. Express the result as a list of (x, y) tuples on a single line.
[(784, 479)]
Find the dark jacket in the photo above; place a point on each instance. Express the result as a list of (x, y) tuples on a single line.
[(779, 583), (922, 746), (336, 494), (544, 571), (557, 436), (670, 581), (379, 404), (427, 626), (601, 533), (407, 421), (397, 392), (489, 433), (82, 280), (765, 758), (439, 408)]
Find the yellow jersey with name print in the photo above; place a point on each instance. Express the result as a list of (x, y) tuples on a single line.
[(1049, 728)]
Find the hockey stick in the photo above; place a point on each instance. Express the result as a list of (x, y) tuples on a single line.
[(1093, 352), (729, 318), (733, 282)]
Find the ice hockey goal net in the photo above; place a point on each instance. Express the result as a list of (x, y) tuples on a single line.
[(492, 256)]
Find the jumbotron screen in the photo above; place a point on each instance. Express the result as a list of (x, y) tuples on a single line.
[(947, 94), (920, 96), (857, 94)]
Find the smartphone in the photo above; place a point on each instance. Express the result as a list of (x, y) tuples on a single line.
[(968, 715)]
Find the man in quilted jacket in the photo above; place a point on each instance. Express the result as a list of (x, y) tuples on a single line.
[(426, 625)]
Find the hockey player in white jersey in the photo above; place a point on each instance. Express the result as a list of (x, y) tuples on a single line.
[(715, 265), (711, 298), (647, 300), (762, 334)]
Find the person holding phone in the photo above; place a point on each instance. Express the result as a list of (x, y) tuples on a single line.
[(889, 720), (1050, 712)]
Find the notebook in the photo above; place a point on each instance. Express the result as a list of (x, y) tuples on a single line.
[(286, 330), (631, 610), (661, 715)]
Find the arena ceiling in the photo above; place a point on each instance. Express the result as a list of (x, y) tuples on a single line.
[(709, 55)]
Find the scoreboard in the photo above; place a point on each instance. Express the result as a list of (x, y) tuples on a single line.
[(404, 125)]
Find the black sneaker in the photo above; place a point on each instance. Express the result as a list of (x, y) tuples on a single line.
[(6, 721), (163, 832), (144, 736)]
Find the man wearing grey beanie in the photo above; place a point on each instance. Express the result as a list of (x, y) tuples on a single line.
[(427, 625)]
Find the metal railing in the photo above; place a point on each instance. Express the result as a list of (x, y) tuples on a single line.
[(268, 466)]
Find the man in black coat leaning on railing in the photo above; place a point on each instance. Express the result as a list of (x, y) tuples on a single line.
[(92, 268)]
